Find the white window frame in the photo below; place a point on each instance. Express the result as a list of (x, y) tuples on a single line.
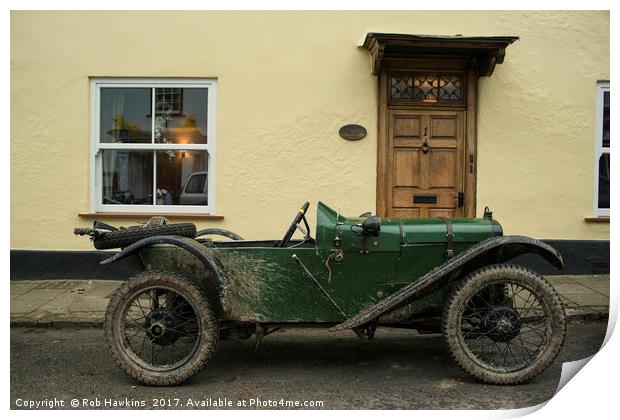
[(96, 176), (601, 88)]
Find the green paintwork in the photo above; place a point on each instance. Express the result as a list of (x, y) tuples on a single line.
[(266, 284)]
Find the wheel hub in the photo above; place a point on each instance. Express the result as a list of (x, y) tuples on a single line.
[(501, 323), (160, 325), (157, 330)]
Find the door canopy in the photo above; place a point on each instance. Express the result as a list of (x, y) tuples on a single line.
[(483, 51)]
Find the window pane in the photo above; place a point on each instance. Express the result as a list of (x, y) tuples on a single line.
[(450, 88), (127, 177), (181, 115), (606, 119), (125, 115), (182, 177), (431, 87), (195, 184), (424, 87), (603, 181), (401, 87)]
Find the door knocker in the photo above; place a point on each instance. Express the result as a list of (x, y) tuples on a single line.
[(425, 147)]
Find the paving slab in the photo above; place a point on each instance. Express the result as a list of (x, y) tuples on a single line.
[(83, 302), (33, 300), (22, 287), (587, 299)]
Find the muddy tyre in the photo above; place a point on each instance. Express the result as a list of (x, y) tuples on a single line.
[(160, 328), (125, 237), (504, 324), (221, 232)]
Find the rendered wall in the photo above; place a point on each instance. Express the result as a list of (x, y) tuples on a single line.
[(286, 83)]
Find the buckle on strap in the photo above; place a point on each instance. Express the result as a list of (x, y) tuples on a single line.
[(449, 237)]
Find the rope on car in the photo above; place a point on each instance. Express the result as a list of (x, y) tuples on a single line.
[(337, 256)]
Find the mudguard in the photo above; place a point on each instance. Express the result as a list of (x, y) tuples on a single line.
[(492, 251), (192, 246)]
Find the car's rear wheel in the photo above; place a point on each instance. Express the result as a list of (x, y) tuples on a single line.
[(504, 324), (160, 328)]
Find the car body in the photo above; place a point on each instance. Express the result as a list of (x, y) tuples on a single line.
[(194, 191), (267, 285), (358, 273)]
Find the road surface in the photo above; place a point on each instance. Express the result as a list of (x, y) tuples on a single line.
[(397, 370)]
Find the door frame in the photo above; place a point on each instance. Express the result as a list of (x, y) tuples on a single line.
[(470, 141)]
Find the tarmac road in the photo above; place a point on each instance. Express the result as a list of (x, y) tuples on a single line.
[(397, 370)]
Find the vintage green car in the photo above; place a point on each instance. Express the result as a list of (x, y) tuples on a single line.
[(502, 323)]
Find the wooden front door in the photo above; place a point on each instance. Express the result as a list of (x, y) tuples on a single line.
[(425, 167)]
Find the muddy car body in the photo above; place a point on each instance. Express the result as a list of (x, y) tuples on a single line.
[(435, 275)]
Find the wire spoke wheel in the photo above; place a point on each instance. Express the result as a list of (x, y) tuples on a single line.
[(160, 328), (504, 324)]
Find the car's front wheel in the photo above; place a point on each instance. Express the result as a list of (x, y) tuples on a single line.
[(160, 328), (504, 324)]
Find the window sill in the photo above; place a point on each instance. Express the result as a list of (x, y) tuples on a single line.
[(128, 215), (597, 219)]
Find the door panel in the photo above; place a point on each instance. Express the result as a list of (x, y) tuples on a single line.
[(440, 213), (425, 163), (406, 213), (405, 160), (407, 126), (443, 126), (439, 161)]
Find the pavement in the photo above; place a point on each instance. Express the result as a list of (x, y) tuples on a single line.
[(79, 303)]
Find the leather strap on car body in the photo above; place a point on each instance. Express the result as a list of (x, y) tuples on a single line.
[(402, 232), (449, 238)]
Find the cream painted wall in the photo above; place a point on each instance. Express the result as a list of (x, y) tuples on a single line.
[(286, 82)]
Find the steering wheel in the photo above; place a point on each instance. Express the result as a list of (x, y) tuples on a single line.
[(291, 230)]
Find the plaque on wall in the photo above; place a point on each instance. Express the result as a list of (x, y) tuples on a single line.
[(352, 132)]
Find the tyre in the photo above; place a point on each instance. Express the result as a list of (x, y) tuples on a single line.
[(504, 324), (220, 232), (125, 237), (160, 328)]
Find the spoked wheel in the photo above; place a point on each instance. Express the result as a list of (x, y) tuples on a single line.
[(160, 328), (504, 324)]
